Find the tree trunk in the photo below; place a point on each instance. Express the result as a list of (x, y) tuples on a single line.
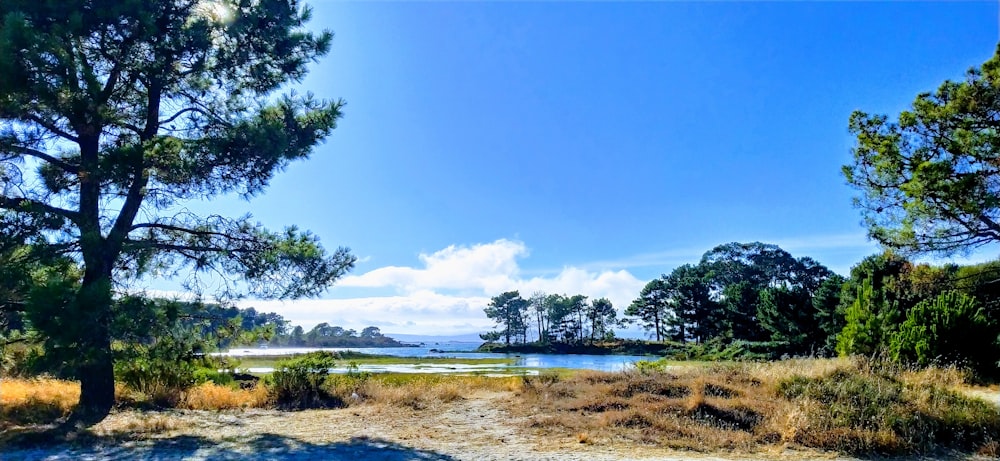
[(96, 371), (656, 325)]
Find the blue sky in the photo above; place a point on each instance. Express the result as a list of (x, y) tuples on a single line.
[(590, 147)]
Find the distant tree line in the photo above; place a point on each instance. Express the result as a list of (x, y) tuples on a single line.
[(273, 330), (548, 318), (760, 301)]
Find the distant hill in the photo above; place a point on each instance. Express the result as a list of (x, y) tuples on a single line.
[(466, 338)]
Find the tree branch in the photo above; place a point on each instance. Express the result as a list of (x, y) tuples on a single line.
[(62, 164), (35, 206), (169, 227), (189, 109), (51, 127), (151, 244)]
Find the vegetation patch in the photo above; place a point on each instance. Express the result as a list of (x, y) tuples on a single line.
[(850, 406), (35, 401)]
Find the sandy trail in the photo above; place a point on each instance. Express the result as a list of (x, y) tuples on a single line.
[(474, 428)]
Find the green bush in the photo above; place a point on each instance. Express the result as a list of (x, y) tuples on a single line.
[(949, 329), (300, 382), (205, 375), (156, 371)]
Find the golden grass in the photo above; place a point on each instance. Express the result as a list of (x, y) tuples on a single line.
[(846, 405), (24, 401), (211, 396)]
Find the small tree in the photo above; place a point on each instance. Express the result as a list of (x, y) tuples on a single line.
[(508, 311)]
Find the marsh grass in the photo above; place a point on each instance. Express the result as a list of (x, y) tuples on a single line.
[(849, 406)]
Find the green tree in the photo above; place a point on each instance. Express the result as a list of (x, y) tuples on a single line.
[(537, 305), (929, 181), (112, 113), (828, 312), (787, 315), (737, 272), (863, 322), (602, 316), (491, 336), (297, 337), (508, 311), (652, 308), (696, 316), (557, 310), (371, 332)]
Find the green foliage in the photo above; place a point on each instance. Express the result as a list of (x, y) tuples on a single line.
[(862, 333), (830, 318), (300, 382), (951, 328), (210, 375), (491, 336), (651, 308), (788, 316), (696, 316), (603, 317), (509, 311), (928, 181)]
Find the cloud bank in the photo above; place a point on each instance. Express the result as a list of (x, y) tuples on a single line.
[(446, 294)]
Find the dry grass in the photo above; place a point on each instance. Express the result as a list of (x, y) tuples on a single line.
[(27, 401), (848, 406), (211, 396), (421, 391), (136, 424)]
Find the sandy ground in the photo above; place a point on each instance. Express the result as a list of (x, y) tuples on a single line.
[(475, 428)]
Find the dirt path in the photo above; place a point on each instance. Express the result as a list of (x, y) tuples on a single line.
[(475, 428)]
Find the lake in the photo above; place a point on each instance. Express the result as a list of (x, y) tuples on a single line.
[(523, 363)]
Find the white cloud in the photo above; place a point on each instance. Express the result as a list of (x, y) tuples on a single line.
[(482, 267), (424, 313), (448, 293)]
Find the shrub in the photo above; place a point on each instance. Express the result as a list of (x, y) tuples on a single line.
[(153, 371), (300, 382), (866, 410), (209, 375), (209, 396), (951, 328)]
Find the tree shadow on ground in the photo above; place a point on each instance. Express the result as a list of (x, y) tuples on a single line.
[(257, 447)]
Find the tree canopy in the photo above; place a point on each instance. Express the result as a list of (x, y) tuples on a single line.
[(930, 180), (112, 113)]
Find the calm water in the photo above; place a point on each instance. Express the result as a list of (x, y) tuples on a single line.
[(460, 350)]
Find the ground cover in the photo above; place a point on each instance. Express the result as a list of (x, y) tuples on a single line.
[(800, 409)]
